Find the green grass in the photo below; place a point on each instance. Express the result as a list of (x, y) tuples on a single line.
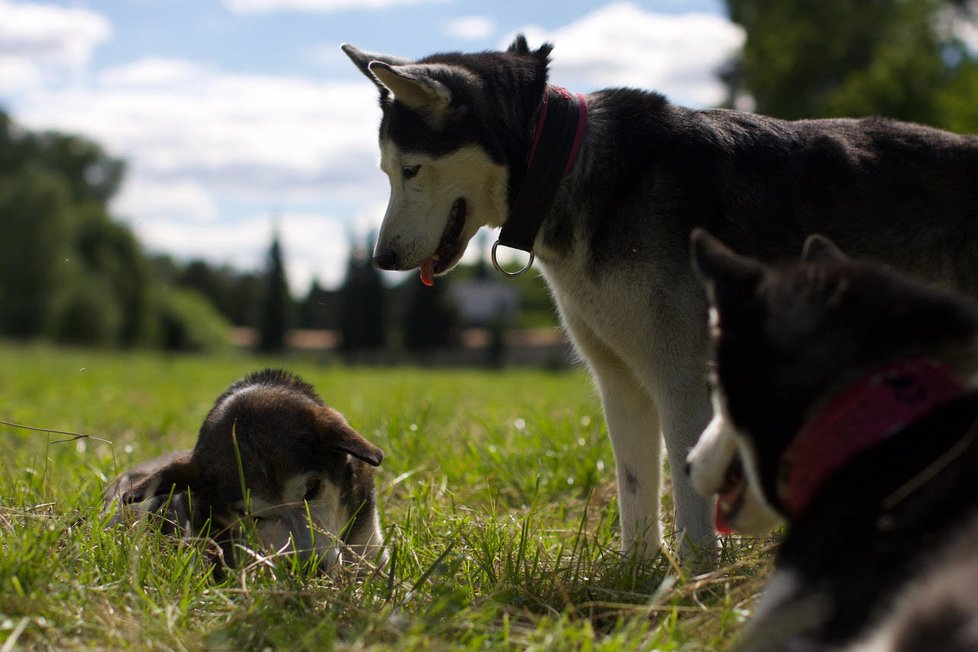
[(497, 497)]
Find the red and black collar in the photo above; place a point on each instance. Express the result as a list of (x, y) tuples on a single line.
[(865, 415), (556, 140)]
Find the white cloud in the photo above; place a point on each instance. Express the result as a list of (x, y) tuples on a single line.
[(470, 27), (242, 136), (200, 140), (318, 6), (18, 73), (50, 34), (154, 72), (315, 246), (622, 45), (145, 199)]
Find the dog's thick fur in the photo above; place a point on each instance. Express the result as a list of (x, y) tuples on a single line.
[(885, 549), (454, 140), (271, 458)]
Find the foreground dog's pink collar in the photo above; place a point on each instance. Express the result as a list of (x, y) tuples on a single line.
[(581, 126), (557, 136), (865, 414)]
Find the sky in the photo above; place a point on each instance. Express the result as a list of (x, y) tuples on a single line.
[(240, 118)]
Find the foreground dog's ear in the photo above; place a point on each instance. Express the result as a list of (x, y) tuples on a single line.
[(362, 60), (521, 47), (335, 434), (175, 476), (721, 269), (818, 249), (413, 86)]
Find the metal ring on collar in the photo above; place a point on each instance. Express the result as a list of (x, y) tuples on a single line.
[(495, 263)]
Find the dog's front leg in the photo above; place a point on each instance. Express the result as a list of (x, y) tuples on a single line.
[(685, 412), (633, 427)]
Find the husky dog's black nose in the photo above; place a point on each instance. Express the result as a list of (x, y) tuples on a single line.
[(385, 259)]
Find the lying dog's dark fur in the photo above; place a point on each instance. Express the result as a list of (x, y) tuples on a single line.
[(850, 390), (271, 455)]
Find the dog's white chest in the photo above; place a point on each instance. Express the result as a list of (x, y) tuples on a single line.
[(610, 309)]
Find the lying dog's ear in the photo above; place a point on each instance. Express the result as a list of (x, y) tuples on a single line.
[(818, 249), (175, 476), (721, 269), (362, 61), (413, 86), (335, 434)]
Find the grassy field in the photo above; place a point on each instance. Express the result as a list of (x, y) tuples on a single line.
[(497, 497)]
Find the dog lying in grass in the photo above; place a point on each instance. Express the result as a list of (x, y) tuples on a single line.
[(851, 394), (273, 461)]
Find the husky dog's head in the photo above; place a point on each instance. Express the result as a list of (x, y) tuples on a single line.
[(786, 340), (451, 130), (273, 460)]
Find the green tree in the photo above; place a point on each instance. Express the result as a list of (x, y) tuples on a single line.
[(431, 320), (362, 305), (319, 308), (245, 299), (35, 251), (90, 173), (896, 58), (109, 251), (276, 306)]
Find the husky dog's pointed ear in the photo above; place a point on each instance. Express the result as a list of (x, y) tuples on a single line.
[(818, 249), (721, 270), (413, 86), (519, 46), (178, 474), (362, 61), (336, 435)]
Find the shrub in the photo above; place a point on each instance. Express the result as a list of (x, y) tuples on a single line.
[(190, 323)]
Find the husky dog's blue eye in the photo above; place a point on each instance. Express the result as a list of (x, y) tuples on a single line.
[(410, 171)]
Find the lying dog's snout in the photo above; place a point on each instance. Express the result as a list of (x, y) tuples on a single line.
[(385, 259)]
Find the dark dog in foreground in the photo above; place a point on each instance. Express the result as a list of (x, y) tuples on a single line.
[(605, 189), (271, 458), (851, 393)]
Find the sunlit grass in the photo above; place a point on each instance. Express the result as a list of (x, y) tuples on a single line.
[(497, 499)]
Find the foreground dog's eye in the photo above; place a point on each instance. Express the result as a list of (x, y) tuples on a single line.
[(410, 171), (312, 489)]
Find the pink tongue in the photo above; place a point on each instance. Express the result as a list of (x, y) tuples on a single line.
[(720, 521), (427, 270)]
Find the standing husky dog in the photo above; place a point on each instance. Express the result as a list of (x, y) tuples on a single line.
[(272, 455), (851, 392), (604, 189)]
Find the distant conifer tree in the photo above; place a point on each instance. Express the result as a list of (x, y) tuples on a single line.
[(362, 305), (276, 306)]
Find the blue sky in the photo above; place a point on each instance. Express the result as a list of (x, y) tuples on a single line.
[(235, 115)]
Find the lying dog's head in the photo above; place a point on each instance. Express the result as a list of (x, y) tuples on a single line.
[(789, 339), (271, 458), (448, 168)]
